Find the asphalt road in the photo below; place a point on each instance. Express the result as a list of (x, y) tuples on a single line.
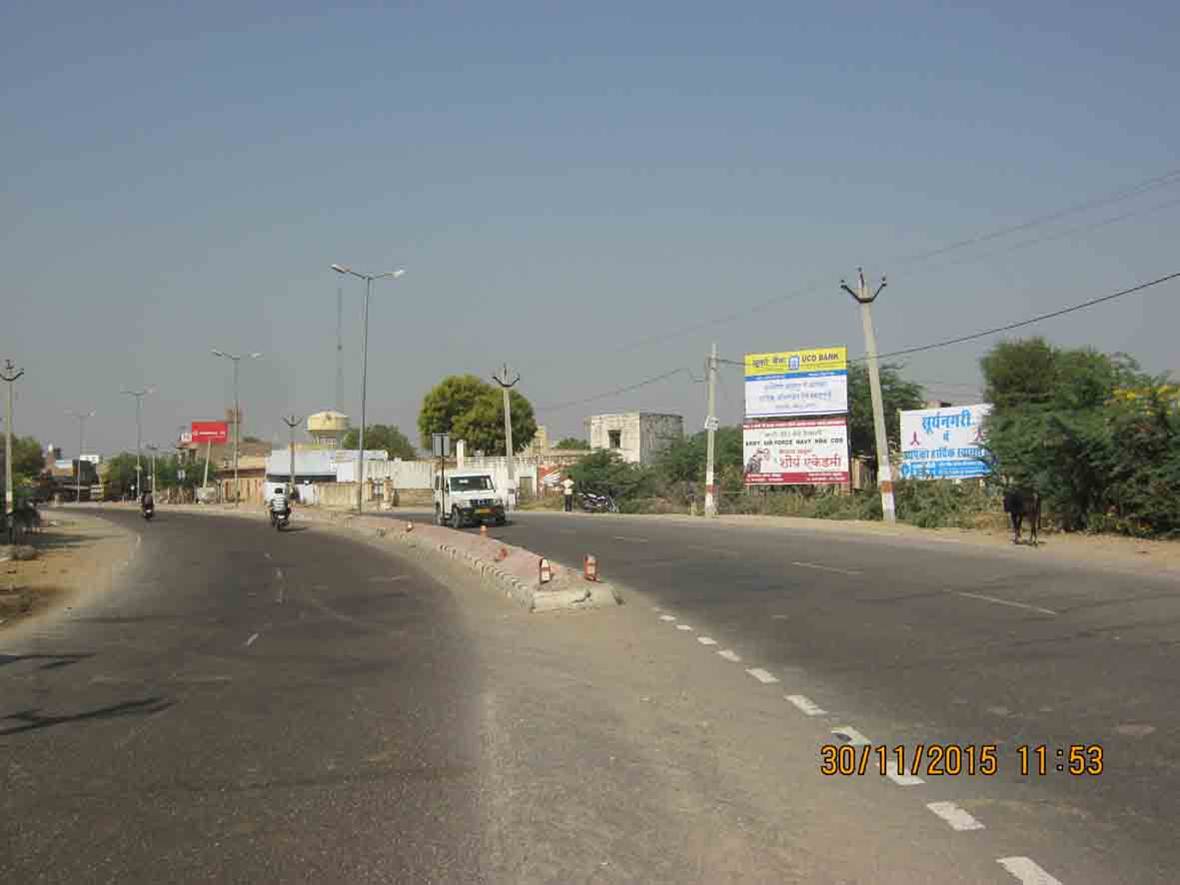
[(248, 706), (924, 642)]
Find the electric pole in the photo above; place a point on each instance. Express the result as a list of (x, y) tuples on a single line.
[(884, 471), (711, 430), (139, 395), (11, 373), (81, 416), (339, 349), (506, 387), (291, 422)]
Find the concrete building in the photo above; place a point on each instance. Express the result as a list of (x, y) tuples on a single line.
[(637, 436), (328, 429)]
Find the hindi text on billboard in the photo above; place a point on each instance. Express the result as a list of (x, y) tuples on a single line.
[(797, 382)]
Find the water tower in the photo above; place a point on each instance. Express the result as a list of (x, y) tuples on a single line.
[(328, 429)]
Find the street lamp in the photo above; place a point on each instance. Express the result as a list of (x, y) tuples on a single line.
[(139, 395), (81, 416), (236, 358), (360, 456), (153, 449)]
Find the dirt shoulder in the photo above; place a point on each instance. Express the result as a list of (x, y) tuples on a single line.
[(76, 553)]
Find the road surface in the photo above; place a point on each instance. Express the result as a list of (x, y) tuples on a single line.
[(929, 641)]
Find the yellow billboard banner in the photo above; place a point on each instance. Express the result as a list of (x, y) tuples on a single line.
[(815, 361)]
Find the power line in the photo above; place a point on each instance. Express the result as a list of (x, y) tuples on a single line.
[(618, 390)]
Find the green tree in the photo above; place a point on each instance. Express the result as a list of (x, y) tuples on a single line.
[(473, 410), (382, 436), (897, 394), (604, 472), (683, 461), (571, 442), (28, 458), (119, 478)]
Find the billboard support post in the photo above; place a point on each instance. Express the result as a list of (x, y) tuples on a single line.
[(884, 472)]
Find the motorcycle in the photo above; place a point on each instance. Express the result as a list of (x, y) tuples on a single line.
[(148, 511), (592, 503), (280, 518)]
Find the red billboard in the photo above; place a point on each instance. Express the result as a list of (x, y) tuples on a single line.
[(216, 432)]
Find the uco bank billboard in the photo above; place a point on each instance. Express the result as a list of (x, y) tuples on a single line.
[(797, 382), (800, 452)]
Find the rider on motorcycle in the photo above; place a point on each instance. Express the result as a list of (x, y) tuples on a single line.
[(146, 503), (278, 503)]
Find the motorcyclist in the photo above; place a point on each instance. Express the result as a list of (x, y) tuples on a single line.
[(278, 503), (146, 503)]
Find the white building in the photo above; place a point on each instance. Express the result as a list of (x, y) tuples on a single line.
[(637, 436)]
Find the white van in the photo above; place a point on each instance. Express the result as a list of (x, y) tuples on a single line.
[(470, 497)]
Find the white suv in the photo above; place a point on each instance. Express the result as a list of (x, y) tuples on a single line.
[(470, 497)]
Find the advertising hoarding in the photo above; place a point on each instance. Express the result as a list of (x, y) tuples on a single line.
[(798, 452), (944, 443), (797, 382), (216, 432)]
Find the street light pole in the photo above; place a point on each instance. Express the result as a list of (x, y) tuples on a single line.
[(506, 387), (291, 422), (153, 449), (10, 374), (81, 416), (885, 478), (360, 455), (236, 359), (139, 395)]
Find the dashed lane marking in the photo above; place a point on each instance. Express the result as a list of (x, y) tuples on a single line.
[(667, 618), (730, 656), (253, 638), (706, 640), (1027, 870), (683, 627), (279, 573), (899, 777), (955, 816), (806, 704), (763, 676), (387, 578), (851, 736), (826, 568), (993, 599), (267, 555), (630, 540)]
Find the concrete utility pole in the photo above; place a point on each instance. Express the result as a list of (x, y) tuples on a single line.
[(139, 395), (236, 359), (360, 455), (711, 431), (506, 386), (153, 449), (340, 348), (885, 472), (10, 374), (81, 416), (292, 422)]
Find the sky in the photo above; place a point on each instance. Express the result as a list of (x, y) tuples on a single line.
[(592, 193)]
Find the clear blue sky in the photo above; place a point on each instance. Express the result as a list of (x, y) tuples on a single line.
[(560, 181)]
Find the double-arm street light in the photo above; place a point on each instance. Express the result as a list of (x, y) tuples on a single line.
[(139, 395), (81, 416), (235, 359), (368, 278)]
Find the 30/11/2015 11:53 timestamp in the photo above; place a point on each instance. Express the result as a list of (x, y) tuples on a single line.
[(953, 760)]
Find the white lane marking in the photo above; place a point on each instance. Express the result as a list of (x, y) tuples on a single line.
[(900, 777), (683, 627), (667, 618), (806, 704), (1044, 611), (763, 676), (1027, 870), (279, 597), (851, 735), (279, 573), (955, 816), (267, 555), (630, 540), (730, 656), (706, 640), (138, 539), (656, 608), (251, 640), (826, 568), (387, 579)]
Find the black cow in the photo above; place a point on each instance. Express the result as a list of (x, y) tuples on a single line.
[(1020, 503)]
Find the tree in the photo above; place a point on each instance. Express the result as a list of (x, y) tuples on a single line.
[(571, 442), (382, 436), (897, 395), (473, 410), (28, 458), (604, 472)]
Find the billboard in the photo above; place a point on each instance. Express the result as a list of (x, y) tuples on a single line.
[(943, 443), (216, 432), (798, 452), (797, 382)]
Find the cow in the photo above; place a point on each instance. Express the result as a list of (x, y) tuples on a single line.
[(1020, 503)]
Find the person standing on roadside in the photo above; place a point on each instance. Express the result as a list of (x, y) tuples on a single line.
[(567, 487)]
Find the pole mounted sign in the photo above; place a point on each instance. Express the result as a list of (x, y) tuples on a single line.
[(800, 452), (797, 383), (216, 432), (441, 444)]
